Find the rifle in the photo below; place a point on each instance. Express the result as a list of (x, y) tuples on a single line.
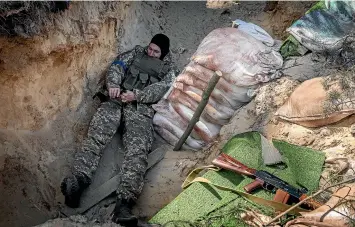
[(285, 193)]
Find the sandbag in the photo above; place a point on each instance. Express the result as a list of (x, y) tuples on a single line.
[(218, 95), (181, 97), (167, 111), (174, 117), (311, 104), (171, 138), (191, 80), (160, 120), (238, 93), (199, 71), (245, 63), (214, 112), (207, 131), (239, 52), (221, 108), (227, 84)]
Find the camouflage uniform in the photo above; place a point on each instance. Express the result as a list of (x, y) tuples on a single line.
[(138, 129)]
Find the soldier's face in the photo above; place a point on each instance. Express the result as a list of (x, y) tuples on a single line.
[(154, 50)]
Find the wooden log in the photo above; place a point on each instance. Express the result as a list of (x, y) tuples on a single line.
[(201, 106)]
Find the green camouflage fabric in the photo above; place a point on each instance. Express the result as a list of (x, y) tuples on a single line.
[(150, 94), (136, 118), (137, 142), (102, 128)]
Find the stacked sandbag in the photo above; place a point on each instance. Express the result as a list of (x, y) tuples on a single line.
[(244, 61)]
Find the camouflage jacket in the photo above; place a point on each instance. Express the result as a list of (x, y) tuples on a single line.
[(150, 94)]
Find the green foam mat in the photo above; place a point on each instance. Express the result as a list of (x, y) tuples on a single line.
[(201, 200)]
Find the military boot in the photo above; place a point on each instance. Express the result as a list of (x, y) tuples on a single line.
[(73, 186), (122, 213)]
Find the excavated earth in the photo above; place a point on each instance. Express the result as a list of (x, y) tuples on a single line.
[(47, 83)]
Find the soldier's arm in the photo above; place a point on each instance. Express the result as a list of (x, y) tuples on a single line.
[(117, 70), (154, 92)]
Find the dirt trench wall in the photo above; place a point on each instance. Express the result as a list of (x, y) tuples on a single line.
[(42, 75), (46, 85)]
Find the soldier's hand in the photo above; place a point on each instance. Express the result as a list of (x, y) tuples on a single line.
[(128, 96), (114, 92)]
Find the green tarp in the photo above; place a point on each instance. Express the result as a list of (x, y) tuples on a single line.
[(291, 47), (304, 168)]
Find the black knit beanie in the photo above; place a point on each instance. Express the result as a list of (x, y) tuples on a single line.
[(163, 42)]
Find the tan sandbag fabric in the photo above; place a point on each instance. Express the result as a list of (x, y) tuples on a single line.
[(307, 105)]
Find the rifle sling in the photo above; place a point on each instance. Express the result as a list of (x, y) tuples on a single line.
[(193, 177)]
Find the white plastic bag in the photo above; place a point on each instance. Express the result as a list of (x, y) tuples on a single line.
[(255, 31)]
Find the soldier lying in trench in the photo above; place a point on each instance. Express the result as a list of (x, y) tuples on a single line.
[(135, 80)]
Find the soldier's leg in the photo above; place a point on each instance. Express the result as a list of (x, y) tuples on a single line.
[(102, 128), (137, 141)]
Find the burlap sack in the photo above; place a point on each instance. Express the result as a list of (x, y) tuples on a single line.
[(315, 103)]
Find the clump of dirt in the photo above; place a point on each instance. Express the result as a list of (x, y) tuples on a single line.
[(280, 89), (217, 4), (285, 13)]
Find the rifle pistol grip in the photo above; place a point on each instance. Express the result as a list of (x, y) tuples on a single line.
[(254, 185)]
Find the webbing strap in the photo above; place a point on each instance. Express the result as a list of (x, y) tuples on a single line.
[(193, 177)]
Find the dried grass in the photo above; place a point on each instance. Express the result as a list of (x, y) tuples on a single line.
[(344, 99), (25, 18)]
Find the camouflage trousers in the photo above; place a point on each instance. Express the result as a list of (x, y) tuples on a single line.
[(137, 141)]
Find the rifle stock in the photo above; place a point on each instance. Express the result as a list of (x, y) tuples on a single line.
[(226, 165)]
